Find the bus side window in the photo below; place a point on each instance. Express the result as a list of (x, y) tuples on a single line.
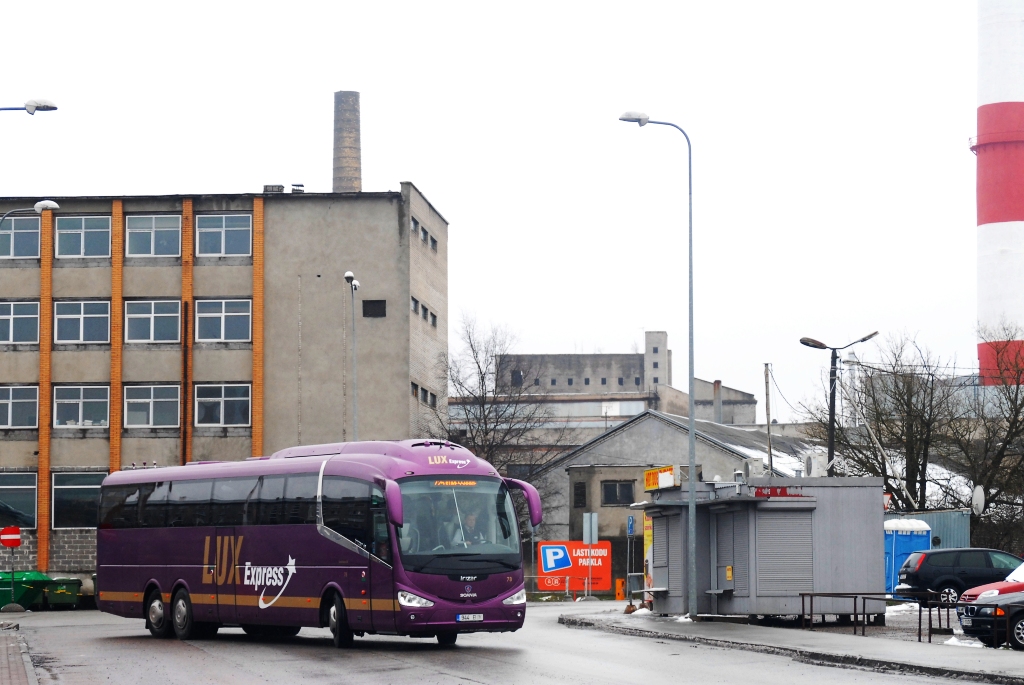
[(153, 504), (346, 506), (300, 499), (189, 503), (119, 506), (381, 548), (271, 501), (229, 495)]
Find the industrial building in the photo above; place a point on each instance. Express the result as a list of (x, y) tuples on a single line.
[(141, 330)]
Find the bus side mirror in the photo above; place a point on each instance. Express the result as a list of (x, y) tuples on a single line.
[(532, 499), (393, 498)]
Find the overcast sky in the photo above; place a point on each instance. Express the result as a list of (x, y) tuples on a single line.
[(833, 184)]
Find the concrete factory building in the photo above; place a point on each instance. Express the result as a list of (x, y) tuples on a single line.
[(167, 329)]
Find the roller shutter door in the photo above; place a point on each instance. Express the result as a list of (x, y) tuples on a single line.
[(675, 557), (741, 554), (784, 552)]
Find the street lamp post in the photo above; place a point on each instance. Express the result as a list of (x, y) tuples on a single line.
[(37, 208), (691, 537), (353, 285), (32, 106), (811, 342)]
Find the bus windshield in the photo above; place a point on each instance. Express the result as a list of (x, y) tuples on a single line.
[(458, 525)]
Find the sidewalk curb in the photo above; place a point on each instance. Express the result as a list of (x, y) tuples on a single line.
[(804, 655), (30, 671)]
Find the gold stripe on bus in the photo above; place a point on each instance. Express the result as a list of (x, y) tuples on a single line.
[(384, 605), (121, 596)]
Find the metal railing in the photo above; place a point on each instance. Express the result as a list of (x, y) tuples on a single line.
[(561, 580), (926, 599)]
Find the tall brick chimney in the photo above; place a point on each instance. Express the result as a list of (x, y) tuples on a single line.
[(348, 165)]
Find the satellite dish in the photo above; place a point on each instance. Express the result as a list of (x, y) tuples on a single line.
[(978, 500)]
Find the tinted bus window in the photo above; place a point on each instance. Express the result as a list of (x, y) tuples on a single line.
[(230, 496), (153, 504), (119, 506), (346, 506), (271, 500), (189, 503), (300, 498)]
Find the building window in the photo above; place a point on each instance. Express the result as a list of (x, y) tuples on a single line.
[(81, 406), (425, 312), (620, 382), (570, 381), (517, 378), (604, 381), (616, 493), (76, 499), (655, 364), (636, 381), (554, 382), (18, 407), (19, 237), (433, 319), (151, 406), (415, 226), (423, 234), (222, 405), (433, 244), (157, 321), (655, 380), (230, 234), (655, 350), (520, 471), (19, 322), (424, 395), (154, 236), (83, 236), (375, 309), (586, 381), (415, 306), (579, 495), (536, 381), (82, 322), (223, 320), (18, 499), (433, 401), (415, 390)]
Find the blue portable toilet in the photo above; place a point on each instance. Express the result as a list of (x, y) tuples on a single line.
[(903, 537)]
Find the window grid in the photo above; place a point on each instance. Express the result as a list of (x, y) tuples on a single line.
[(153, 236), (83, 237), (222, 405), (152, 321), (224, 235), (223, 320), (81, 322), (71, 501), (151, 406), (19, 323), (19, 237), (433, 243), (19, 407), (415, 306), (18, 493), (81, 406)]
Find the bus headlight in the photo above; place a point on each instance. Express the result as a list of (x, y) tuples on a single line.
[(518, 598), (407, 599)]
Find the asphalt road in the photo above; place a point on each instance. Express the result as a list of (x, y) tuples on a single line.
[(87, 647)]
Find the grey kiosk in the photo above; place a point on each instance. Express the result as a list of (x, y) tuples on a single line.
[(760, 544)]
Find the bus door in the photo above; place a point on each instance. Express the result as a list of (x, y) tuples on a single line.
[(382, 585), (226, 574)]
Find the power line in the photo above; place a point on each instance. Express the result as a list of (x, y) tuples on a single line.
[(771, 372)]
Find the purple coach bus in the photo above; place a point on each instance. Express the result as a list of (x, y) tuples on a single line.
[(414, 538)]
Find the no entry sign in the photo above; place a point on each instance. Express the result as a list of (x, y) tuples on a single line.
[(10, 536)]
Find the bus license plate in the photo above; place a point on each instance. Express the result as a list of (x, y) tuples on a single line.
[(469, 617), (966, 621)]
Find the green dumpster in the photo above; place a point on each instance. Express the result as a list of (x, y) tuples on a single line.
[(63, 593), (28, 587)]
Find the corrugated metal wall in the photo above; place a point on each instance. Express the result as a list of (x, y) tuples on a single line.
[(951, 526)]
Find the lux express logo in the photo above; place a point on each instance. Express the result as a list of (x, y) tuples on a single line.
[(226, 570), (443, 459)]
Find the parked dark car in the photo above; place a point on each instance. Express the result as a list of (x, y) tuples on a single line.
[(952, 571), (976, 619)]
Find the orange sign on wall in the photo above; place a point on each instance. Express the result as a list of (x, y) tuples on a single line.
[(577, 562)]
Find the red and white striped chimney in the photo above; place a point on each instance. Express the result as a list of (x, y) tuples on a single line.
[(1000, 150)]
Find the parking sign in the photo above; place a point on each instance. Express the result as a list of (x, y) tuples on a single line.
[(629, 526)]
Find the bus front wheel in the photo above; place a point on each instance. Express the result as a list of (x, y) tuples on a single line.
[(447, 639), (339, 624)]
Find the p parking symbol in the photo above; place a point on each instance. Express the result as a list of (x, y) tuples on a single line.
[(554, 558)]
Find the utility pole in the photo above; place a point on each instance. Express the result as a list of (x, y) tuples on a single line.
[(768, 419)]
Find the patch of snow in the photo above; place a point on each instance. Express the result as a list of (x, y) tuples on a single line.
[(685, 618), (897, 609), (963, 643), (641, 612)]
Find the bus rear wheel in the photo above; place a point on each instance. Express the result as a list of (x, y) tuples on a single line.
[(158, 619), (339, 624), (183, 619), (447, 639)]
